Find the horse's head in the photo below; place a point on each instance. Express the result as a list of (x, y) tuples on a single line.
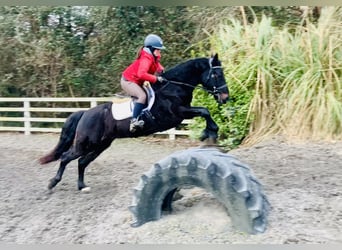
[(213, 80)]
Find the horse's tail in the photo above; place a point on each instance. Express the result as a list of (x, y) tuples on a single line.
[(65, 140)]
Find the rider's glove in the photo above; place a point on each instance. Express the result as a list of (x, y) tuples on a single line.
[(161, 79)]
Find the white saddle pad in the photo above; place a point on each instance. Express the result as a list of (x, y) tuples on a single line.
[(122, 110)]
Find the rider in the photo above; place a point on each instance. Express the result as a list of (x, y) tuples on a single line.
[(146, 67)]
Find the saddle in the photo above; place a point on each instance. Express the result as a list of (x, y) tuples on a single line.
[(122, 108)]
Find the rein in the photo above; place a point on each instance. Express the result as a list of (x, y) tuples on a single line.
[(215, 89), (197, 86)]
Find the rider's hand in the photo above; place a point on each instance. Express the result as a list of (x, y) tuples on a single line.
[(147, 84), (161, 79)]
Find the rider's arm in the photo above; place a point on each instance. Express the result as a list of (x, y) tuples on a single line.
[(160, 68), (143, 74)]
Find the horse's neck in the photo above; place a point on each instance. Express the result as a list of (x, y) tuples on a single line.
[(188, 72), (183, 79)]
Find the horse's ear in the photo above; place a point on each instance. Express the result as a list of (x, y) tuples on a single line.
[(214, 57)]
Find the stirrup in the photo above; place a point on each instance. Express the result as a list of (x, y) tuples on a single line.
[(135, 123)]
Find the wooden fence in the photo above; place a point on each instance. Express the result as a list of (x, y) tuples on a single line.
[(25, 114)]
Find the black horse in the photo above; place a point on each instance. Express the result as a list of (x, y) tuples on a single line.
[(86, 134)]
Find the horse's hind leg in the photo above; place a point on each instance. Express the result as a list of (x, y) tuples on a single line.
[(66, 157), (84, 161)]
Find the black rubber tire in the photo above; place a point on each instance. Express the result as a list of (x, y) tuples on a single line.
[(223, 175)]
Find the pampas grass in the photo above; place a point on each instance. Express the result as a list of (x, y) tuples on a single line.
[(294, 75)]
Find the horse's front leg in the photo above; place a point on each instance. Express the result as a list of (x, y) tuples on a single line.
[(211, 129)]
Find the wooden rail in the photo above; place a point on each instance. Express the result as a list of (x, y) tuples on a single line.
[(22, 113)]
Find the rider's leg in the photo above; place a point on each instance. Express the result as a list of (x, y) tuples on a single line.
[(135, 123), (135, 90), (138, 107)]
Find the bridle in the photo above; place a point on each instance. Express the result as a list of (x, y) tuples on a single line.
[(215, 90)]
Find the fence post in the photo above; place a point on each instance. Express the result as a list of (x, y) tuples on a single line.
[(27, 116), (93, 104), (172, 134)]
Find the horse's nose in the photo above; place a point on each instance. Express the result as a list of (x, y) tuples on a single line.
[(224, 97)]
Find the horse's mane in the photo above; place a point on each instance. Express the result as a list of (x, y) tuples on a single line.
[(182, 74), (184, 68)]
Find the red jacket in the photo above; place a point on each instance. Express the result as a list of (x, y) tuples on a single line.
[(143, 69)]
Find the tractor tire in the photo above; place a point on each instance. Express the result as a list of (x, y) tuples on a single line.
[(230, 181)]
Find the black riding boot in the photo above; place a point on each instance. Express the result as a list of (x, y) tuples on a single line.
[(135, 123)]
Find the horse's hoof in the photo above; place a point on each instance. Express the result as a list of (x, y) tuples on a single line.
[(208, 135), (86, 189), (52, 184)]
